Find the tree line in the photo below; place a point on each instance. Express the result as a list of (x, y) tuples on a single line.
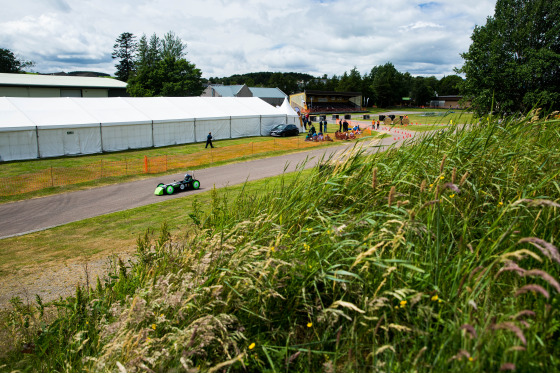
[(512, 65), (382, 86)]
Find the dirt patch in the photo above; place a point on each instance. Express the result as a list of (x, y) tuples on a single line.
[(52, 281)]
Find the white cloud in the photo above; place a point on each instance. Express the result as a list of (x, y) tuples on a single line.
[(226, 37)]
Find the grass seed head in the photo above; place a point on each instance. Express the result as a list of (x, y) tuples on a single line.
[(392, 195), (508, 366), (545, 247), (545, 276), (464, 178), (442, 165), (534, 288)]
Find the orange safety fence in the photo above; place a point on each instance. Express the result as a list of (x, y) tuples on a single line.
[(61, 176)]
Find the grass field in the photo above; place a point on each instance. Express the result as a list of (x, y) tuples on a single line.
[(441, 257)]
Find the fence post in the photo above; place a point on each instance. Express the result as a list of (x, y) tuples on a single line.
[(52, 179), (145, 164)]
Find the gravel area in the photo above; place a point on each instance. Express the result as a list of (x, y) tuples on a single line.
[(57, 280)]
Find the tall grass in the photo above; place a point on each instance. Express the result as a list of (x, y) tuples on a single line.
[(441, 256)]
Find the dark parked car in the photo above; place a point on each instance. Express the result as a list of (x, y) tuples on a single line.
[(284, 130)]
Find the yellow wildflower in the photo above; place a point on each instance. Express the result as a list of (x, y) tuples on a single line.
[(441, 177), (403, 303), (306, 246), (252, 346), (431, 185), (471, 359), (309, 324), (272, 248), (435, 298), (500, 203), (452, 196), (153, 326)]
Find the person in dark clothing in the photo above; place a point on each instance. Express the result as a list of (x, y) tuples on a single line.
[(340, 125), (321, 126), (325, 126), (209, 140), (345, 126)]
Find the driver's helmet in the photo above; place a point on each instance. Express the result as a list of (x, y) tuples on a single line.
[(187, 177)]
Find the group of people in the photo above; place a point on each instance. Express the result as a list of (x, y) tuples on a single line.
[(348, 135), (313, 136), (322, 125)]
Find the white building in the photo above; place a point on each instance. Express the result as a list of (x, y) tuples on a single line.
[(35, 85)]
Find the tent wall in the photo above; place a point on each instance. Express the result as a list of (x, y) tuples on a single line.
[(172, 133), (122, 137), (51, 127), (18, 145), (69, 141), (219, 127), (243, 127)]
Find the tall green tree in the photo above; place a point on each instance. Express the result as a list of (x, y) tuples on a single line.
[(513, 62), (421, 91), (450, 85), (124, 50), (388, 85), (9, 63), (162, 70), (350, 82)]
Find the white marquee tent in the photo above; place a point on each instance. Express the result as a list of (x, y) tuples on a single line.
[(50, 127)]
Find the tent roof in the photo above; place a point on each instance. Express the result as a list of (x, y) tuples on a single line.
[(113, 111), (287, 108), (65, 111), (12, 118), (159, 109), (51, 111)]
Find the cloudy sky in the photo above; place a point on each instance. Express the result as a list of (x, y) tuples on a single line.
[(226, 37)]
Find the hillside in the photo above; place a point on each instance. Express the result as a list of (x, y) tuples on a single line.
[(442, 256)]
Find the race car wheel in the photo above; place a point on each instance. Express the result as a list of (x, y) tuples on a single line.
[(195, 184), (182, 186), (170, 190)]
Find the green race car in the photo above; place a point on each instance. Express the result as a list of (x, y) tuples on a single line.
[(188, 183)]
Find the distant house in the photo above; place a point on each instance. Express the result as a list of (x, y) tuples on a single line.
[(448, 102), (35, 85), (273, 96)]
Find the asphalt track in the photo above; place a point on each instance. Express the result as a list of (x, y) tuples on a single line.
[(23, 217)]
